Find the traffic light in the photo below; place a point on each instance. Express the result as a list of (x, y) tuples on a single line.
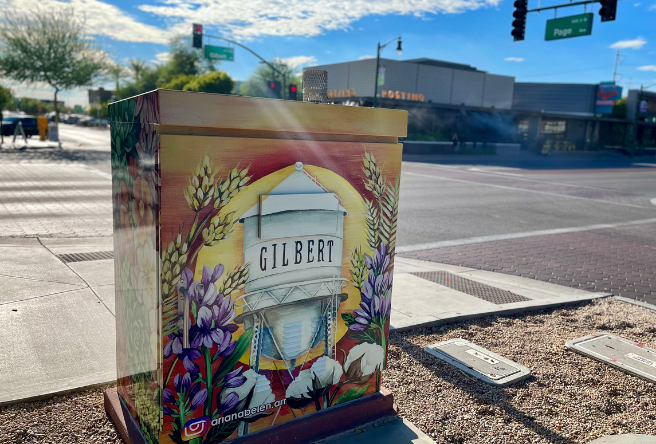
[(293, 92), (608, 9), (274, 89), (519, 24), (198, 36)]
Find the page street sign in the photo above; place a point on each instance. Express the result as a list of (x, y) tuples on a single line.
[(566, 27), (219, 53)]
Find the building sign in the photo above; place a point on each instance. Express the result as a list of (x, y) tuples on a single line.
[(402, 95), (607, 94), (566, 27), (341, 93), (381, 75), (219, 53)]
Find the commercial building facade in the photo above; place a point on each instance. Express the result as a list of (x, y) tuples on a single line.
[(445, 98)]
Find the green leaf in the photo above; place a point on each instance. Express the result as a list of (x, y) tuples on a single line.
[(352, 394), (348, 318), (228, 363)]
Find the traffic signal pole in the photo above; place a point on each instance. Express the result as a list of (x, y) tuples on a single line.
[(607, 13)]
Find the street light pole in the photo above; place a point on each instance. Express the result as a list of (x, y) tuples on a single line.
[(378, 50)]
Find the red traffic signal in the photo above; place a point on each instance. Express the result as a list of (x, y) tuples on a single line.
[(198, 36), (293, 92), (275, 90)]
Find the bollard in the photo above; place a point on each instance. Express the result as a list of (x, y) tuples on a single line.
[(254, 249)]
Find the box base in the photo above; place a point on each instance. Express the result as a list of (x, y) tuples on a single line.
[(303, 430)]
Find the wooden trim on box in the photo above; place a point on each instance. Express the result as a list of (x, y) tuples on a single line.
[(180, 130), (192, 109)]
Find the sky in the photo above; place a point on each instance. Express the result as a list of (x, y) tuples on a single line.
[(308, 32)]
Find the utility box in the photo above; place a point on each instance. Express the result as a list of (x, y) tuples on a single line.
[(254, 246)]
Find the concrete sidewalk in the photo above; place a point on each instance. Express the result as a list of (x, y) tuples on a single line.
[(428, 293), (59, 316)]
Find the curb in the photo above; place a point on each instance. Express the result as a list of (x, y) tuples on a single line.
[(519, 307), (646, 305)]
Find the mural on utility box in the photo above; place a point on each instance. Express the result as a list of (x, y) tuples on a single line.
[(276, 278)]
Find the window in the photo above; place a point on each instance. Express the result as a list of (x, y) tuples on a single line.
[(522, 127), (553, 127)]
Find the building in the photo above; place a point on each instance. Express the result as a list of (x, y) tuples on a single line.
[(444, 98), (100, 95)]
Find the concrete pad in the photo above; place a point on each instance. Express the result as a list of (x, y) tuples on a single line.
[(415, 296), (107, 295), (17, 289), (37, 264), (96, 273), (19, 242), (399, 431), (55, 344), (625, 439), (413, 322), (407, 265)]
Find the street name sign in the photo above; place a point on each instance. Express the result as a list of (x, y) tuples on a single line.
[(220, 53), (566, 27)]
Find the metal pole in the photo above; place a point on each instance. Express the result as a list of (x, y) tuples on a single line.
[(376, 85), (617, 57)]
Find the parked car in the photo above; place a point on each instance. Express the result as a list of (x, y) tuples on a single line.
[(28, 122)]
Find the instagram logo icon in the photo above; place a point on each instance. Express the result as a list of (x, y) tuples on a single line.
[(195, 428)]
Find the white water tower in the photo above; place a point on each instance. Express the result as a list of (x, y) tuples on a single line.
[(293, 241)]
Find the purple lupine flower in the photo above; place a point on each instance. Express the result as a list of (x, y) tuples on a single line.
[(229, 402), (167, 395), (198, 399), (204, 292), (167, 410), (375, 304), (186, 355), (181, 383), (234, 378)]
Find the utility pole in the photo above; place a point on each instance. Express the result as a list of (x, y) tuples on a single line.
[(617, 61)]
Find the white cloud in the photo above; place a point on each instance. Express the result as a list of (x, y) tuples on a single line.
[(652, 7), (514, 59), (298, 61), (101, 19), (647, 68), (252, 18), (636, 4), (629, 44), (365, 57), (162, 57)]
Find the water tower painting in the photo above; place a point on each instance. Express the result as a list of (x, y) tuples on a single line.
[(266, 250)]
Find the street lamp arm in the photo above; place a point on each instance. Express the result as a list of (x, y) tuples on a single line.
[(249, 50), (393, 40)]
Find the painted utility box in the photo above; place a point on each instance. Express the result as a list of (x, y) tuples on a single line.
[(254, 246)]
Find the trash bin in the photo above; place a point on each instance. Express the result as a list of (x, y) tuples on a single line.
[(254, 246), (42, 124), (53, 132)]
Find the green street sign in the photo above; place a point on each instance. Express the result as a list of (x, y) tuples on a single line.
[(566, 27), (219, 53)]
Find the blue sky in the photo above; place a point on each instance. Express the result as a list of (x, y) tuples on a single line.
[(474, 32)]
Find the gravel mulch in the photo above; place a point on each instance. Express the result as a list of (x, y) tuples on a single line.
[(74, 418), (568, 398)]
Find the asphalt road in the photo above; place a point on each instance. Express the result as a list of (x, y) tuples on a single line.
[(456, 202)]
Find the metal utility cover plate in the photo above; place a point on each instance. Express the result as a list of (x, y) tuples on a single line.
[(628, 356), (478, 362)]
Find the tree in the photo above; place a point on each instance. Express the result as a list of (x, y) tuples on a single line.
[(138, 66), (217, 82), (256, 84), (178, 82), (48, 46), (6, 99), (116, 72)]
